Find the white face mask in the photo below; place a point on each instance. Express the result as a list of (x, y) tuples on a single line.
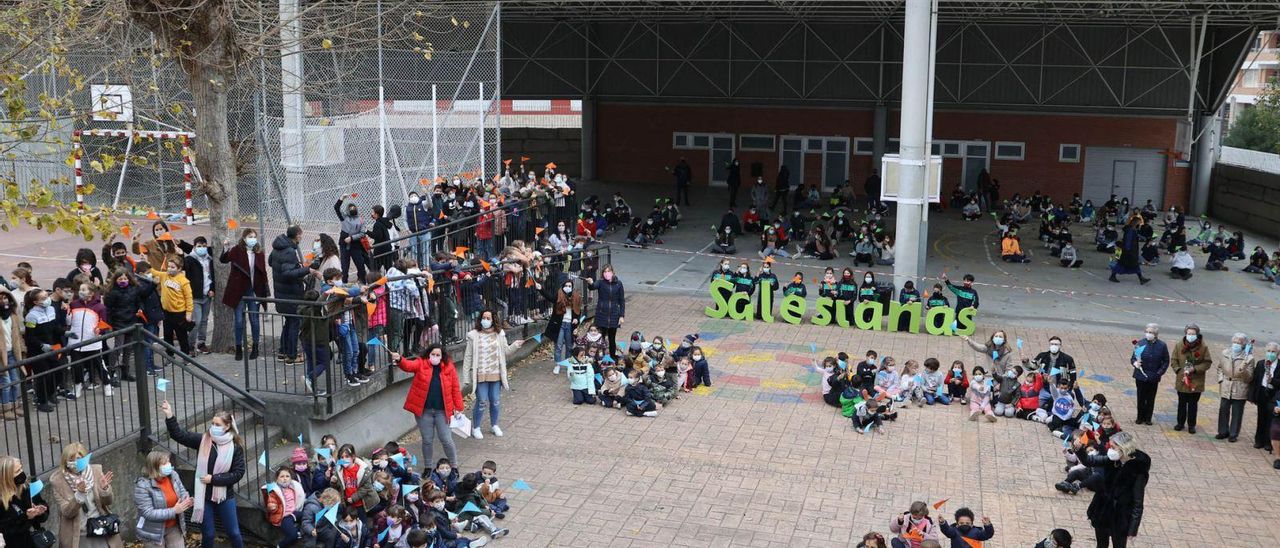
[(486, 323), (867, 279), (413, 199), (1192, 338), (661, 373), (1149, 336), (438, 505), (998, 341), (568, 289), (1113, 454), (1053, 348), (977, 378)]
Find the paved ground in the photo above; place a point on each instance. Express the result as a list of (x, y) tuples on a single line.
[(759, 460)]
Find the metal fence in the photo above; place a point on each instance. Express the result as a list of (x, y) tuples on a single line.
[(132, 413)]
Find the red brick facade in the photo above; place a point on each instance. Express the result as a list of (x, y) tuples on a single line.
[(635, 142)]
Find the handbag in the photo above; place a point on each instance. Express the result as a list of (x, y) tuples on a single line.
[(42, 538), (106, 525)]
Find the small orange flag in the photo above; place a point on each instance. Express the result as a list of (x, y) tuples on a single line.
[(551, 165), (524, 159), (381, 281), (166, 237), (939, 504), (460, 250), (538, 230), (309, 257), (126, 230), (355, 195), (176, 228), (441, 214), (370, 307), (487, 267), (424, 181), (484, 204), (431, 284), (506, 162), (528, 282), (232, 224), (103, 325), (152, 215)]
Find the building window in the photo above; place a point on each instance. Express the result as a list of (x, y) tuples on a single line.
[(702, 141), (522, 105), (1252, 78), (1069, 153), (864, 146), (950, 149), (681, 140), (1007, 150), (693, 141), (762, 143)]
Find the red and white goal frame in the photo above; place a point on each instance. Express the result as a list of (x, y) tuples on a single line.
[(184, 138)]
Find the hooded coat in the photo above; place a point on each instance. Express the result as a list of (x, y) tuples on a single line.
[(1117, 503)]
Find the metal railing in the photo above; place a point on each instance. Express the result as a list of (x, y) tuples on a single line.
[(131, 414)]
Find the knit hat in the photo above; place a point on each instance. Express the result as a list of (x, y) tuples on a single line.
[(691, 338), (299, 456)]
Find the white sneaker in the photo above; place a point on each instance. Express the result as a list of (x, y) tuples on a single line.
[(108, 389), (650, 413), (79, 390), (496, 431), (556, 371), (476, 433)]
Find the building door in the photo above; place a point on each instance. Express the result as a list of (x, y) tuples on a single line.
[(977, 157), (1122, 178), (722, 153), (792, 155), (835, 163)]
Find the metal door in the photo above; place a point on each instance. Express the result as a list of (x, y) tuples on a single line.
[(792, 155), (1122, 179), (976, 159), (721, 154)]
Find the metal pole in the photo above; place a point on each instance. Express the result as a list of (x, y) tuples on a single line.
[(1195, 64), (124, 168), (382, 116), (497, 85), (292, 140), (913, 138), (435, 138), (483, 113), (1206, 156), (928, 142)]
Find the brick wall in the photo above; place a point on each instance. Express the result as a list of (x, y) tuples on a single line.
[(635, 142), (562, 146)]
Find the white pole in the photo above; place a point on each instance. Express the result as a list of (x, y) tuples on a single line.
[(292, 139), (913, 138), (497, 85), (382, 116), (435, 138), (483, 114), (124, 167), (928, 144)]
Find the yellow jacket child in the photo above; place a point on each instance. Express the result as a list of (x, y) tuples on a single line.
[(175, 289)]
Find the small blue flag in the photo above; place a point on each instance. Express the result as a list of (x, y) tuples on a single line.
[(299, 438), (406, 489), (537, 337), (941, 392), (398, 459), (1054, 372), (599, 378), (383, 535), (36, 487), (607, 359), (82, 463), (330, 513), (813, 348), (472, 508), (270, 487), (622, 346), (262, 459), (867, 428), (520, 485), (374, 342), (162, 385), (995, 355), (413, 460), (324, 453), (954, 328), (452, 516), (564, 363), (1019, 344)]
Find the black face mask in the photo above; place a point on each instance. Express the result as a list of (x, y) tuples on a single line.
[(6, 310), (351, 213), (20, 479)]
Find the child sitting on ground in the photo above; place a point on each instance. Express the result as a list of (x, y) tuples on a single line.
[(979, 395), (964, 534), (934, 383), (1029, 396), (888, 381), (581, 382), (639, 400), (911, 387), (1007, 392), (957, 383), (612, 389), (662, 383), (872, 412), (445, 478), (474, 510), (701, 370), (491, 491), (913, 527)]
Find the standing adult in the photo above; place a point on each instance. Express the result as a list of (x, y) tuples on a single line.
[(434, 398), (10, 352), (82, 492), (1263, 387), (287, 276), (484, 367), (734, 180), (419, 221), (1193, 358), (351, 237), (1054, 358), (781, 190), (984, 191), (198, 266), (1116, 509), (1235, 371), (611, 306), (21, 513), (564, 317), (1150, 361), (684, 177), (162, 503), (247, 277), (380, 235), (219, 467), (872, 188), (1128, 262)]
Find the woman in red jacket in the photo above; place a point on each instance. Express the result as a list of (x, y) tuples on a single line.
[(246, 277), (435, 397)]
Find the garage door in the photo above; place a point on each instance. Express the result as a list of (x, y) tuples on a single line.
[(1133, 173)]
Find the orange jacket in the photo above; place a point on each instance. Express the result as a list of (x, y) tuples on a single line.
[(1010, 246)]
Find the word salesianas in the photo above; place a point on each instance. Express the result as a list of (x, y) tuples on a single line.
[(870, 315)]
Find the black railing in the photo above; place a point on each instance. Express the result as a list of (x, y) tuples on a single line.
[(130, 414)]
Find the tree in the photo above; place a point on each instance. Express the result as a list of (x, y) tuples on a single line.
[(1258, 127), (216, 44)]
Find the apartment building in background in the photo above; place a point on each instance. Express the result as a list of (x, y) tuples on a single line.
[(1261, 65)]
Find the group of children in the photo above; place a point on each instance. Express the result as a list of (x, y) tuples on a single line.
[(339, 499), (639, 376), (813, 234)]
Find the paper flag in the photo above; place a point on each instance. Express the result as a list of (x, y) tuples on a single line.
[(36, 487), (370, 308), (82, 463), (166, 237), (399, 459), (1019, 344), (995, 355), (813, 348), (867, 428), (520, 485), (953, 327), (460, 250), (471, 507), (939, 504), (381, 281), (355, 195), (622, 346), (232, 224), (599, 378), (374, 342), (406, 489), (506, 162), (103, 325), (607, 359), (452, 516), (126, 230), (941, 392), (564, 363), (270, 487), (152, 215), (162, 385), (486, 265), (538, 230), (442, 215), (324, 453), (383, 535), (1054, 372), (524, 159), (308, 257), (413, 460), (262, 459), (537, 338), (330, 513)]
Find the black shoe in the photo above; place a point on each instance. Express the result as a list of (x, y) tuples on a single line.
[(1113, 278), (1220, 437), (1233, 439), (1191, 429), (499, 515), (239, 352), (115, 383), (1143, 281), (1063, 486), (253, 354), (1177, 427), (1259, 446), (45, 408), (1276, 464), (126, 377)]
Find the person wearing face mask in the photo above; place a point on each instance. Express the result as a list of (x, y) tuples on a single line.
[(1150, 361), (484, 367), (219, 467), (701, 372), (966, 295), (315, 529), (177, 302), (564, 319), (82, 492), (123, 301), (162, 501), (353, 477), (1053, 358), (42, 332), (247, 277), (311, 478), (611, 306), (11, 346), (997, 349), (86, 313), (435, 397), (1192, 358), (352, 236), (980, 395), (964, 533), (21, 513), (198, 266), (87, 264), (288, 276), (1235, 372), (1117, 506), (1058, 538), (419, 219), (1264, 385), (283, 500)]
